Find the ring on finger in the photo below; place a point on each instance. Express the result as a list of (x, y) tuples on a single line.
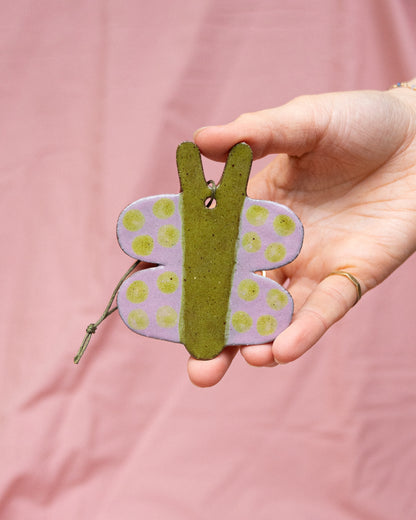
[(352, 279)]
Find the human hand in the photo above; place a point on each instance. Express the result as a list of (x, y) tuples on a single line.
[(346, 165)]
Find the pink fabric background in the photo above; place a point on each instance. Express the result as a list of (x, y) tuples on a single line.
[(94, 98)]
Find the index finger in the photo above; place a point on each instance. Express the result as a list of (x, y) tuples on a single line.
[(293, 128)]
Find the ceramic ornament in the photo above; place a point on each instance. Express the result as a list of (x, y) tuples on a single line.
[(208, 242)]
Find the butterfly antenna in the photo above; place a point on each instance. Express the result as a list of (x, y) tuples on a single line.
[(92, 327)]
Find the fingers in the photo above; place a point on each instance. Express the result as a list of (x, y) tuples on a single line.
[(210, 372), (319, 308), (329, 302), (293, 128), (259, 355)]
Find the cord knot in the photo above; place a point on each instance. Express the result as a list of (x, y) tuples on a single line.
[(92, 327)]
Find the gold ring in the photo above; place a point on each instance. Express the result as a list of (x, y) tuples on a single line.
[(352, 279)]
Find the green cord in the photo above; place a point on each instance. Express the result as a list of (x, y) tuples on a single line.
[(92, 327)]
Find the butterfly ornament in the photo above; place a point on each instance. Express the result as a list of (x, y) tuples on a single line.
[(209, 243)]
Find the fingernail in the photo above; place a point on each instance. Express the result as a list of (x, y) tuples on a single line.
[(279, 362), (197, 132)]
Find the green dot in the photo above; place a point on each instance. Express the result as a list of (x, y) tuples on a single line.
[(257, 215), (251, 242), (168, 282), (133, 220), (241, 321), (284, 225), (138, 319), (275, 252), (266, 325), (163, 208), (276, 299), (142, 245), (248, 290), (168, 235), (137, 292), (166, 317)]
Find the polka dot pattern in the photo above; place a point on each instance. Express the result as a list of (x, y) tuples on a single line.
[(270, 236), (168, 282), (257, 215), (133, 220), (275, 252), (248, 290), (284, 225), (137, 292), (259, 310), (163, 208), (138, 319), (251, 242), (142, 245), (241, 321), (150, 229), (266, 325), (166, 317), (168, 236), (276, 299), (149, 301)]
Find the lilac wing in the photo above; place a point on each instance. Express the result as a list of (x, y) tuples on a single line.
[(271, 236), (149, 301)]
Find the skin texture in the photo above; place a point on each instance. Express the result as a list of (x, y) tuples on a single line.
[(345, 163)]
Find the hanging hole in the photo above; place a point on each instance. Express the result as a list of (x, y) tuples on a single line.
[(210, 202)]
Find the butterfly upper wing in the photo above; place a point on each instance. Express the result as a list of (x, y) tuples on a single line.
[(150, 230), (149, 301), (271, 236)]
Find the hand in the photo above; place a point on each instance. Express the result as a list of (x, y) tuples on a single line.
[(346, 165)]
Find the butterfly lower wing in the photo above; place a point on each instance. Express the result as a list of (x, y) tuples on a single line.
[(260, 309), (149, 302)]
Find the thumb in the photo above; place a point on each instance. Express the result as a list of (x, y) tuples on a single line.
[(294, 129)]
